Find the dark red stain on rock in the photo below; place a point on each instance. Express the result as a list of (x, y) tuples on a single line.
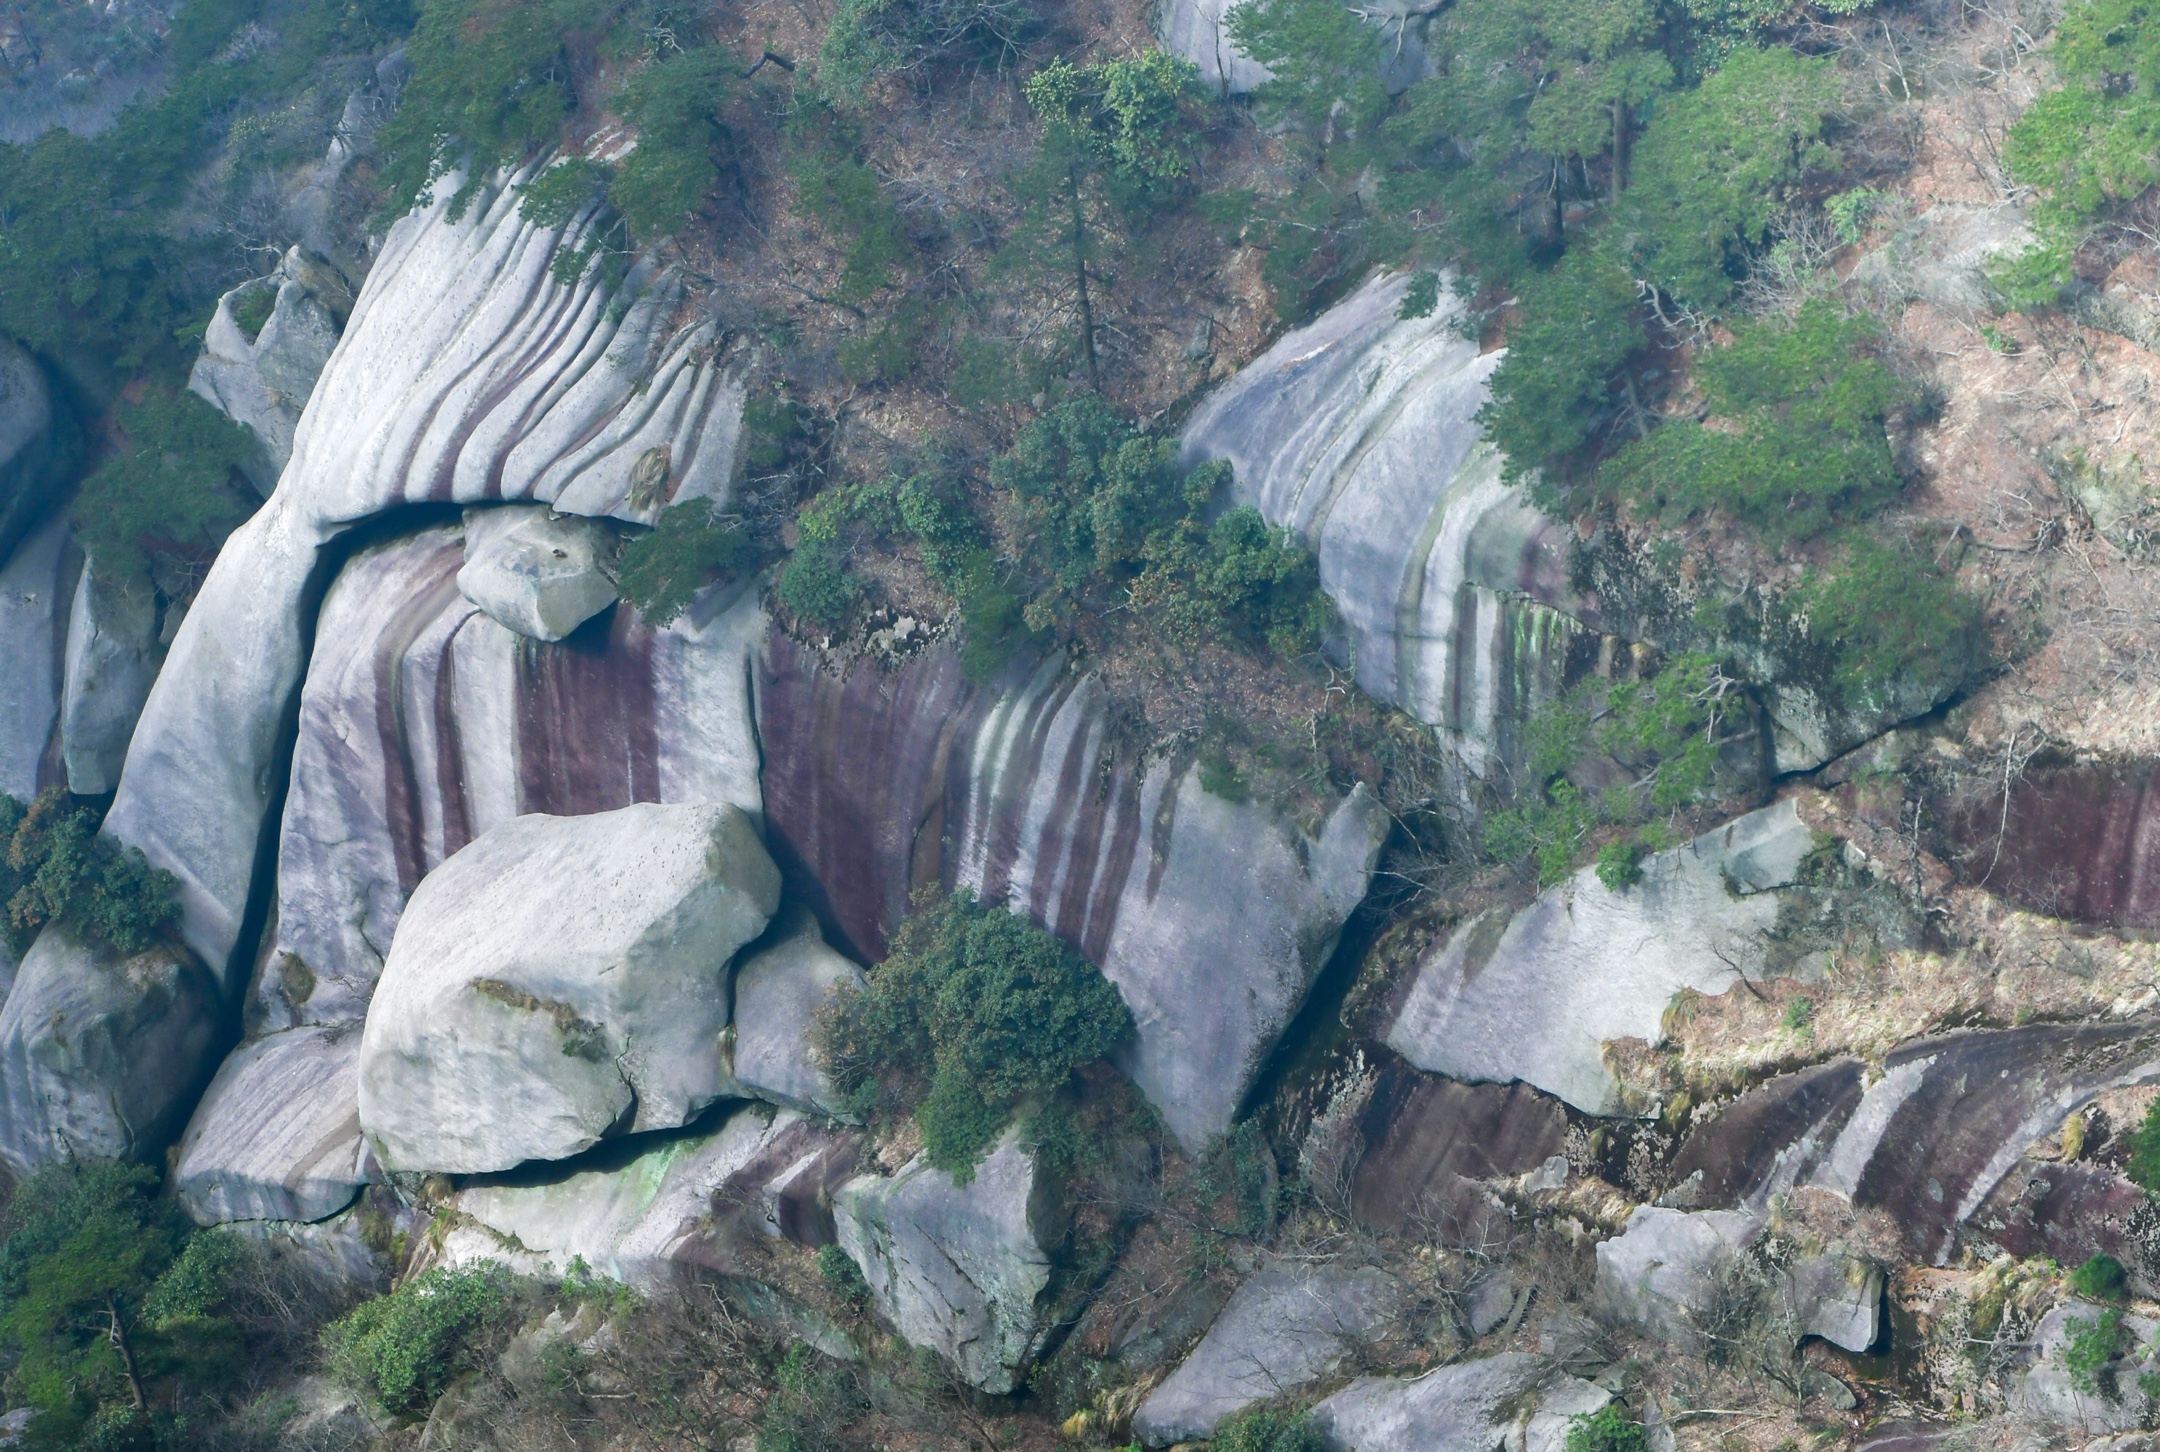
[(2069, 1213), (1733, 1157), (1427, 1138), (2079, 840), (586, 735), (429, 586)]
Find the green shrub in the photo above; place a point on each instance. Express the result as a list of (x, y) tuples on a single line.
[(975, 1010), (1803, 444), (1325, 60), (1421, 299), (869, 38), (1884, 613), (168, 494), (675, 103), (2094, 143), (1135, 116), (1262, 1430), (252, 308), (1553, 394), (2095, 1343), (840, 1272), (2100, 1278), (815, 585), (838, 187), (55, 867), (690, 545), (1606, 1430), (401, 1350), (811, 1404), (2144, 1165)]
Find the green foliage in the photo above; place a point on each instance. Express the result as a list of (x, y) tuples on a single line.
[(675, 103), (841, 1273), (838, 187), (1884, 613), (870, 38), (1800, 1016), (2101, 1278), (2095, 1343), (691, 544), (1666, 731), (107, 1297), (1133, 116), (400, 1350), (490, 81), (54, 867), (167, 494), (1606, 1430), (813, 1398), (1262, 1430), (1421, 299), (1803, 442), (1237, 1185), (2144, 1164), (252, 309), (975, 1011), (2033, 277), (1714, 164), (1849, 212), (2095, 143), (1325, 60), (1552, 394)]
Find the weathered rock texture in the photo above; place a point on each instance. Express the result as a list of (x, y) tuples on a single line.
[(263, 383), (113, 655), (277, 1135), (1212, 917), (958, 1268), (1668, 1272), (558, 980), (2116, 1402), (1358, 432), (1468, 1407), (2074, 840), (1199, 31), (1426, 1139), (101, 1056), (37, 586), (540, 573), (1286, 1326), (1536, 995), (466, 373), (778, 993), (644, 1217)]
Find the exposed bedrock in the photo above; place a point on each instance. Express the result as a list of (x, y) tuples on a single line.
[(643, 1213), (1288, 1325), (1199, 31), (778, 992), (101, 1056), (559, 980), (39, 444), (1535, 995), (113, 655), (1931, 1140), (1212, 917), (961, 1269), (540, 573), (2074, 840), (1427, 1140), (466, 374), (263, 382), (37, 591), (277, 1135), (1515, 1399)]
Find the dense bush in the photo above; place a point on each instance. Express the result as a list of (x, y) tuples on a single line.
[(869, 38), (1606, 1430), (2100, 1278), (690, 545), (1884, 613), (1552, 395), (165, 499), (1265, 1430), (54, 867), (2144, 1165), (675, 103), (401, 1350), (975, 1011), (813, 1398), (1134, 117), (837, 187), (2095, 142)]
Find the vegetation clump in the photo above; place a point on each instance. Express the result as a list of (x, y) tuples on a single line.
[(690, 545), (1266, 1430), (975, 1012), (55, 867), (162, 503), (1606, 1430), (401, 1350)]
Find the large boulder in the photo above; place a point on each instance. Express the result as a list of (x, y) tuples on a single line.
[(1470, 1406), (778, 993), (277, 1135), (1212, 917), (38, 446), (113, 655), (961, 1269), (37, 587), (101, 1056), (559, 980), (1288, 1325), (1685, 1277), (2111, 1398), (1537, 994), (262, 381), (1199, 31), (540, 573), (1427, 1141)]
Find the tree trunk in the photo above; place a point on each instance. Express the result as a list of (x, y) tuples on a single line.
[(1619, 146), (1080, 275), (119, 1337)]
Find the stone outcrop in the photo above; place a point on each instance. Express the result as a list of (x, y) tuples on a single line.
[(466, 373), (643, 1218), (37, 588), (558, 980), (37, 446), (1469, 1406), (880, 782), (277, 1135), (101, 1056), (1426, 1140), (1199, 31), (778, 993), (1535, 995), (540, 573), (1766, 1140), (263, 382), (958, 1268), (2075, 840), (2117, 1401), (113, 655), (1358, 432), (1284, 1328)]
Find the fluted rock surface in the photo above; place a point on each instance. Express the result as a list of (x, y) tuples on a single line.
[(559, 980), (277, 1135), (466, 373), (1212, 917)]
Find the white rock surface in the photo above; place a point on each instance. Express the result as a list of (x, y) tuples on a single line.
[(1536, 996), (2047, 1394), (263, 383), (100, 1057), (960, 1269), (466, 373), (277, 1134), (113, 655), (1358, 432), (1199, 31), (1286, 1326), (540, 573), (556, 978), (37, 587), (778, 993), (1468, 1406)]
